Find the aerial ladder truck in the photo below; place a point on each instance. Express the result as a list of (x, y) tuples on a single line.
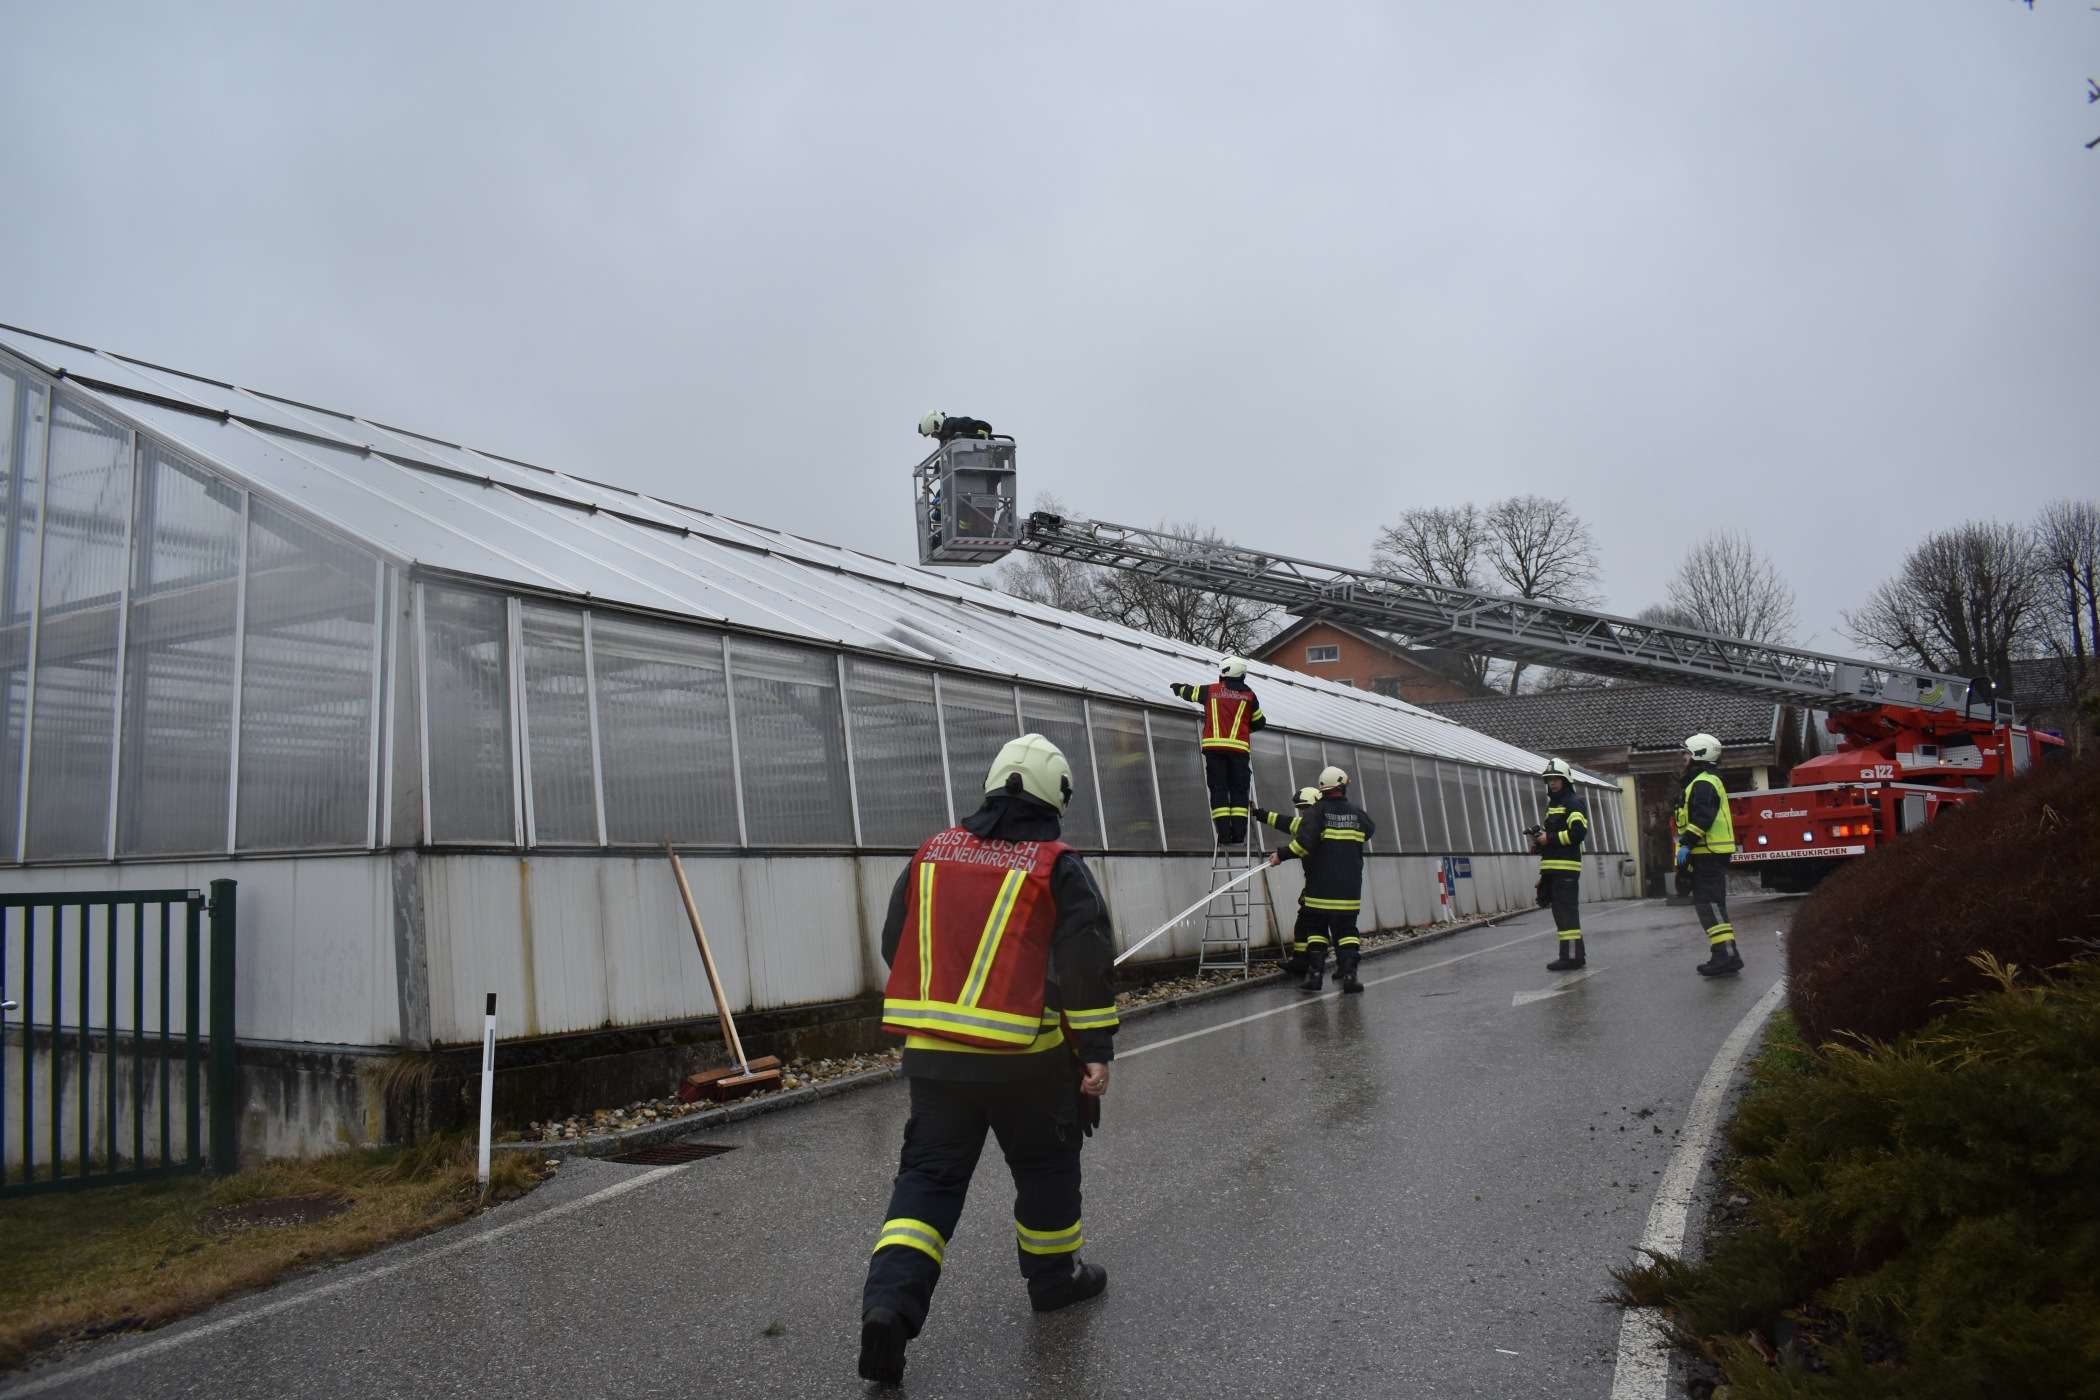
[(1908, 743)]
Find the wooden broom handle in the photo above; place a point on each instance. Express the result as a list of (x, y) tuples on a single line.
[(707, 960)]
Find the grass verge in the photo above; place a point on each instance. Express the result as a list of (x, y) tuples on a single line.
[(1922, 1217), (81, 1265)]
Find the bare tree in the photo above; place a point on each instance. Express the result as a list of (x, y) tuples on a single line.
[(1139, 600), (1962, 603), (2067, 556), (1540, 549), (1445, 545), (1727, 585)]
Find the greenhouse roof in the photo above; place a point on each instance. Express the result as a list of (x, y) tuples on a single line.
[(449, 509)]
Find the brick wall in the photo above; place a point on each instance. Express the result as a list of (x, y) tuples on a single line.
[(1364, 666)]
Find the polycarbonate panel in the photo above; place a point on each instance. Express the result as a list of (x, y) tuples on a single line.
[(405, 752), (76, 685), (1273, 788), (1308, 758), (1184, 792), (1126, 778), (663, 733), (1456, 816), (1486, 827), (980, 721), (558, 726), (306, 690), (1436, 836), (21, 477), (467, 645), (793, 744), (1408, 825), (1062, 720), (896, 753), (177, 756)]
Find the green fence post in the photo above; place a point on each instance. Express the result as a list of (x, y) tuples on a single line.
[(225, 1070)]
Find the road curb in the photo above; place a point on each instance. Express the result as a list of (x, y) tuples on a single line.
[(671, 1129)]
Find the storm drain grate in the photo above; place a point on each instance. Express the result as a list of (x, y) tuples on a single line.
[(671, 1154)]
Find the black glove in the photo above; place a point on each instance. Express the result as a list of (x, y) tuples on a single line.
[(1545, 891)]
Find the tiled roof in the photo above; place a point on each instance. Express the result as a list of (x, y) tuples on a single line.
[(2044, 680), (1639, 717)]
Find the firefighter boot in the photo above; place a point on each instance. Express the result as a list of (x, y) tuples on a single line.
[(1315, 970), (1724, 961), (882, 1338), (1570, 956), (1345, 971), (1062, 1290)]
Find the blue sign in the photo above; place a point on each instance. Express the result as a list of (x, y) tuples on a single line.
[(1461, 867)]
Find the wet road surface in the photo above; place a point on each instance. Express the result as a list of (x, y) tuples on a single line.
[(1414, 1192)]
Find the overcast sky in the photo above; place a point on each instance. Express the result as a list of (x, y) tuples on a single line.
[(1826, 272)]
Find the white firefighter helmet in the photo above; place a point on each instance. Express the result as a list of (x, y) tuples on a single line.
[(1558, 768), (1306, 797), (1704, 748), (931, 424), (1233, 667), (1332, 777), (1039, 764)]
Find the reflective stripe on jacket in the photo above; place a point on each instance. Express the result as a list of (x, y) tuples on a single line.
[(1332, 837), (1710, 836), (975, 948), (1566, 824)]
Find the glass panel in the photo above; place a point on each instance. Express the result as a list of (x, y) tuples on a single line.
[(306, 697), (980, 719), (84, 568), (1184, 794), (1454, 807), (406, 752), (21, 476), (558, 725), (1062, 720), (1307, 759), (896, 753), (1126, 778), (1374, 795), (1273, 788), (178, 667), (1436, 835), (1484, 822), (663, 733), (467, 644), (793, 745)]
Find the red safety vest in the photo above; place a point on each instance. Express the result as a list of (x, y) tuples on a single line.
[(975, 951), (1225, 715)]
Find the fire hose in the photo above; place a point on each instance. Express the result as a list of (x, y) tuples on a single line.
[(1250, 871)]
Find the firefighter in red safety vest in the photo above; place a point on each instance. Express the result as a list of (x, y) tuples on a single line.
[(1231, 714), (1332, 839), (1001, 983), (1307, 923), (1706, 844), (1558, 839)]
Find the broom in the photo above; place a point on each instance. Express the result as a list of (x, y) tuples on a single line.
[(746, 1076)]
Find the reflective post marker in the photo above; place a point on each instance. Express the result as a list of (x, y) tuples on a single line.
[(488, 1088)]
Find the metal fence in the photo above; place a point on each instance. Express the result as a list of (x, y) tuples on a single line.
[(118, 1037)]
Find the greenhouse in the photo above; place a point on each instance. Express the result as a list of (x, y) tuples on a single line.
[(438, 710)]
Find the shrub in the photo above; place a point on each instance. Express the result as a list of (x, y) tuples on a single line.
[(1884, 944)]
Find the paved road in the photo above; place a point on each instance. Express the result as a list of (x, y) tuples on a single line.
[(1413, 1193)]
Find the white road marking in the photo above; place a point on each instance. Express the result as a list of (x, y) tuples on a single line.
[(329, 1290), (1527, 998), (1643, 1368), (1328, 996)]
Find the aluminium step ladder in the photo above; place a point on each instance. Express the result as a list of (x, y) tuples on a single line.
[(1228, 942)]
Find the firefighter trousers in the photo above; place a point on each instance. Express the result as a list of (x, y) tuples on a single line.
[(1308, 923), (1335, 928), (1225, 773), (1710, 897), (1565, 889), (1036, 1121)]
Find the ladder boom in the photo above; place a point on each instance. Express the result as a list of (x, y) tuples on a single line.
[(1514, 628)]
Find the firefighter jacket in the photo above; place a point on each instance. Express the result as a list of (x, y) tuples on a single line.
[(1000, 949), (1231, 714), (1566, 824), (1704, 822), (1332, 837)]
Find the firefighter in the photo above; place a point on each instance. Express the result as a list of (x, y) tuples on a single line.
[(1306, 925), (1705, 844), (945, 429), (1332, 839), (1558, 840), (1001, 966), (1231, 714)]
